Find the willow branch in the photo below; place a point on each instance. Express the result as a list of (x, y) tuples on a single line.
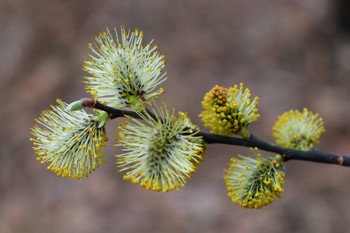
[(251, 141), (287, 154)]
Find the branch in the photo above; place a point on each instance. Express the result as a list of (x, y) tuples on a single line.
[(112, 112), (287, 154), (251, 141)]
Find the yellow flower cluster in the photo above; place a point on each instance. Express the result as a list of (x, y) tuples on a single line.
[(159, 154), (70, 142), (254, 183), (124, 72), (228, 111), (298, 130)]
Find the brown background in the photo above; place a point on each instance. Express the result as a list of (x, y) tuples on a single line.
[(292, 53)]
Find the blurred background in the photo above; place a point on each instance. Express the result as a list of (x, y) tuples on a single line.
[(292, 53)]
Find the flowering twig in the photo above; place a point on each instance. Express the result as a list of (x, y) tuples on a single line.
[(251, 141), (160, 149)]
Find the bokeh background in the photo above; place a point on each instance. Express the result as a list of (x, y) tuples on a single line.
[(292, 53)]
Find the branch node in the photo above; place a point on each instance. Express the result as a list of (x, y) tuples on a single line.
[(340, 160), (88, 102)]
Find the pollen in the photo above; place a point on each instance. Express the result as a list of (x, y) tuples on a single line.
[(69, 142), (298, 130), (121, 67), (264, 179), (160, 155), (229, 111)]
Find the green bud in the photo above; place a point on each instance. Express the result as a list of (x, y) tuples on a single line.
[(75, 106), (101, 118)]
